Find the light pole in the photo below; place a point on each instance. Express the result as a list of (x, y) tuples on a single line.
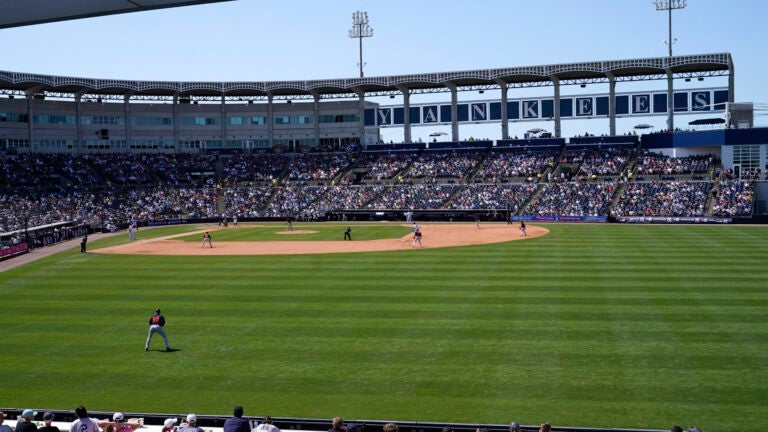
[(669, 5), (360, 29)]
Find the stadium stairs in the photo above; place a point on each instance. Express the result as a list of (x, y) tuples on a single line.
[(617, 193)]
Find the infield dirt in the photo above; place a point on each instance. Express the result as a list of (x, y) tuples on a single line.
[(434, 236)]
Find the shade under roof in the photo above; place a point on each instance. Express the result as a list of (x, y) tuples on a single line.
[(17, 13)]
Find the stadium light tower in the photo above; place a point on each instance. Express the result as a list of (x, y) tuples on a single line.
[(668, 5), (360, 29)]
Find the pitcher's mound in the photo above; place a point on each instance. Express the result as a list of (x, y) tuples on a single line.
[(297, 232)]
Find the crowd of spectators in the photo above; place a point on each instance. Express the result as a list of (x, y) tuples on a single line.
[(492, 196), (660, 164), (238, 169), (305, 167), (734, 199), (505, 164), (572, 199), (435, 165), (419, 196), (39, 188), (298, 202), (598, 161), (676, 198), (380, 166)]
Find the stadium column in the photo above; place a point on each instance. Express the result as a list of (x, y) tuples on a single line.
[(731, 71), (454, 111), (270, 121), (224, 141), (504, 114), (79, 125), (30, 120), (316, 117), (670, 101), (556, 83), (361, 116), (127, 110), (175, 115), (406, 113), (611, 104)]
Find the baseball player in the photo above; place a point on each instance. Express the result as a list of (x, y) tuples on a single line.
[(206, 239), (417, 238), (130, 233), (522, 229), (348, 233), (156, 324)]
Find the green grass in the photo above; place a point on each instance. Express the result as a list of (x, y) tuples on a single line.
[(330, 231), (591, 325)]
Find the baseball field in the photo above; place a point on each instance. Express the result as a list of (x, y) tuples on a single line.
[(579, 325)]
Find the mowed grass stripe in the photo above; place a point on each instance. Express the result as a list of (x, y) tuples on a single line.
[(590, 326)]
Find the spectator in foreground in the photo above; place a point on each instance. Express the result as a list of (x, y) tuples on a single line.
[(545, 427), (48, 419), (120, 423), (83, 422), (267, 426), (191, 425), (390, 427), (237, 423), (26, 422), (169, 425), (514, 427), (337, 425), (4, 427)]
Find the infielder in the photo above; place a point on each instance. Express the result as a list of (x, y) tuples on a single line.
[(206, 239), (417, 238), (156, 324)]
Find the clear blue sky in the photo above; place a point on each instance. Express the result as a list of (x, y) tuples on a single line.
[(263, 40)]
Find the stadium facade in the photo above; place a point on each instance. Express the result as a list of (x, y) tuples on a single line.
[(69, 114)]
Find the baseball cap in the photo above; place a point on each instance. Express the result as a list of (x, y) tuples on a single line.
[(514, 426), (157, 310), (351, 427), (48, 415), (169, 422), (191, 418), (28, 413), (118, 417)]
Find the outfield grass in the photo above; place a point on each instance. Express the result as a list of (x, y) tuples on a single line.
[(591, 325)]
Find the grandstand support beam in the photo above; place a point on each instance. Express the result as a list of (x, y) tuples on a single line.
[(406, 113), (30, 122), (454, 111), (224, 136), (361, 116), (175, 115), (731, 81), (127, 113), (556, 83), (504, 114), (270, 121), (611, 104), (79, 122), (670, 101), (316, 116)]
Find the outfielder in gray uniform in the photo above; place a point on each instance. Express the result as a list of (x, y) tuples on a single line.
[(156, 324)]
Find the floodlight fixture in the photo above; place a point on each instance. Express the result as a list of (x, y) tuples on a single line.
[(669, 5), (360, 29)]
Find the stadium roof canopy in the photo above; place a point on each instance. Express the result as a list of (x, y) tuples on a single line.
[(687, 66), (17, 13)]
